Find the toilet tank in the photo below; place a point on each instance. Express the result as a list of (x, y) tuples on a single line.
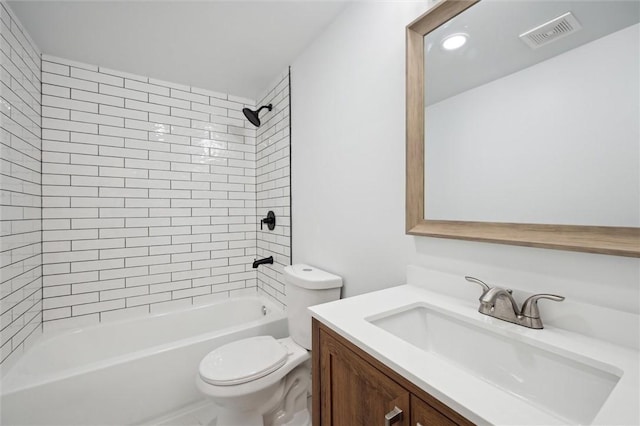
[(307, 286)]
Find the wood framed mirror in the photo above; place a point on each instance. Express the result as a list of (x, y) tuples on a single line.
[(612, 240)]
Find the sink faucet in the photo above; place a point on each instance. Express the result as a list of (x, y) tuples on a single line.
[(499, 303)]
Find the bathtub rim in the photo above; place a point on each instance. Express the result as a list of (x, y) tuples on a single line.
[(14, 381)]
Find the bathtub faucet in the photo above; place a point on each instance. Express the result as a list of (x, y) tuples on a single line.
[(264, 261)]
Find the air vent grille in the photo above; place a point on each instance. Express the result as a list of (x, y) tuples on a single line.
[(551, 31)]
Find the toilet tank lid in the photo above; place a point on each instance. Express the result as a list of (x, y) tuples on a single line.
[(310, 277)]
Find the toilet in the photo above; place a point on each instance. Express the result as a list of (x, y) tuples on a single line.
[(262, 380)]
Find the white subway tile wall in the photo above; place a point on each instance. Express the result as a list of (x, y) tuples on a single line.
[(20, 190), (149, 195), (273, 187), (123, 195)]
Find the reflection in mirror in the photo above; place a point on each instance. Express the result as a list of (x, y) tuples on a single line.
[(534, 123)]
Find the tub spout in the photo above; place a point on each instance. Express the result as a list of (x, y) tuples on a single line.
[(264, 261)]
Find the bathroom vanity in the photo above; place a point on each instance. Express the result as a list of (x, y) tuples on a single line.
[(433, 356), (352, 387)]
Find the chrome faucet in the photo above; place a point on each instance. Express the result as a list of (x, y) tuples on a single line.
[(499, 303)]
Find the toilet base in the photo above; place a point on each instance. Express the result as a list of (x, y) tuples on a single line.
[(293, 405), (301, 418), (286, 407)]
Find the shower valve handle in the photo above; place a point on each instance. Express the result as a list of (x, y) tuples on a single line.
[(270, 220)]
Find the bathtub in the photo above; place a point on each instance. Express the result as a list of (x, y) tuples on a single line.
[(127, 372)]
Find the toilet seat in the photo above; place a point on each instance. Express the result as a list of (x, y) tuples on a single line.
[(242, 361), (247, 381)]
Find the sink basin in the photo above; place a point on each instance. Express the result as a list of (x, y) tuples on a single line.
[(563, 384)]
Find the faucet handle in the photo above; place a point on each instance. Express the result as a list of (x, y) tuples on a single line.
[(530, 306), (482, 284)]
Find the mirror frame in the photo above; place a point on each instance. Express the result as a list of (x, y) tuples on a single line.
[(620, 241)]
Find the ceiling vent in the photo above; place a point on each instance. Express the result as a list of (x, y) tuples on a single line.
[(551, 31)]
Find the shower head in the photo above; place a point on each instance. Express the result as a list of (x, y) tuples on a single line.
[(252, 115)]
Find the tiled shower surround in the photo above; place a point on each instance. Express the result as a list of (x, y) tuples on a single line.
[(123, 195), (273, 187), (149, 195), (20, 236)]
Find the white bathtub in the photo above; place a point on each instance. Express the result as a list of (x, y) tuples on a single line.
[(127, 372)]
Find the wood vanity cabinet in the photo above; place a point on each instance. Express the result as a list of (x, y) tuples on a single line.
[(351, 388)]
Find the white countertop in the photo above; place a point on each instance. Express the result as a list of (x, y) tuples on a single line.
[(463, 391)]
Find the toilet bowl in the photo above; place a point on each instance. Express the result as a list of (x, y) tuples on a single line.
[(246, 378), (262, 380)]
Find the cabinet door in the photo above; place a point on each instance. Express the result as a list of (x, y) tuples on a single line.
[(422, 414), (353, 392)]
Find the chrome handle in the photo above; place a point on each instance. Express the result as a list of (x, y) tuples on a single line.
[(484, 286), (393, 416), (554, 297), (530, 306)]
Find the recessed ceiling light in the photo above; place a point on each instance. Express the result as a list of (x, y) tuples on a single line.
[(454, 41)]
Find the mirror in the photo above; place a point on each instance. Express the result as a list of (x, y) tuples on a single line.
[(530, 140), (514, 124)]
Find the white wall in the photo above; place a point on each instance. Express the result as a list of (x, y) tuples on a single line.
[(20, 179), (348, 147), (570, 129), (348, 177)]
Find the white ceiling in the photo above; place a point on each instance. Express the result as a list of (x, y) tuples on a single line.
[(494, 48), (235, 47)]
